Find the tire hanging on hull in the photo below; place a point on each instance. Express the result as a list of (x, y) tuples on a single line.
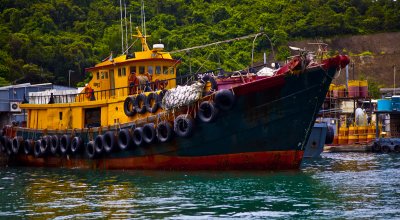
[(207, 112), (90, 150), (124, 139), (65, 143), (184, 125), (76, 145), (109, 141), (98, 144), (138, 136), (149, 133), (224, 99), (164, 131)]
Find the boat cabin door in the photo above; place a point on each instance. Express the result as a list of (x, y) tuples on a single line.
[(112, 82), (92, 117)]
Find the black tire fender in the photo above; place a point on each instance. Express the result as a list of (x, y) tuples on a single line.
[(207, 112), (109, 141), (90, 150), (137, 136), (45, 145), (55, 144), (140, 103), (16, 144), (184, 125), (224, 99), (65, 143), (28, 146), (164, 131), (98, 144), (76, 145), (129, 106), (36, 148), (149, 133), (152, 102), (124, 139)]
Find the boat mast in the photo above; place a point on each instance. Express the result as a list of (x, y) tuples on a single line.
[(122, 29), (143, 15), (126, 30)]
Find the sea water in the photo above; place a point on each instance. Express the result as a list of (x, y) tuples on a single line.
[(335, 186)]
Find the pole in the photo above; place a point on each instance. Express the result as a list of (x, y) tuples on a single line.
[(394, 79), (122, 29), (69, 77)]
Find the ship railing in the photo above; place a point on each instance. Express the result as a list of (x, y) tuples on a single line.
[(122, 92)]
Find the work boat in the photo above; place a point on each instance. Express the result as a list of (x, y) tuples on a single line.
[(135, 113)]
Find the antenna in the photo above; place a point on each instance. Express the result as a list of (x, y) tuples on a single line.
[(130, 23), (122, 29), (143, 22), (126, 28)]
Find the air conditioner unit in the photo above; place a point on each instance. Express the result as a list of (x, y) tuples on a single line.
[(14, 107)]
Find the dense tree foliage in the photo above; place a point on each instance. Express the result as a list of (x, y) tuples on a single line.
[(40, 40)]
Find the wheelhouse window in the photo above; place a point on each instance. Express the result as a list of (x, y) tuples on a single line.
[(158, 69), (165, 69), (150, 70), (141, 69), (123, 71), (133, 69)]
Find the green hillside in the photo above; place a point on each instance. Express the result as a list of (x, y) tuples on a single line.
[(40, 40)]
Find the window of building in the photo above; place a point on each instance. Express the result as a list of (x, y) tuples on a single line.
[(119, 72), (102, 75), (106, 75), (98, 75), (141, 69), (165, 69), (171, 70), (158, 69)]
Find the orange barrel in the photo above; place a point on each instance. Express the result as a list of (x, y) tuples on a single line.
[(351, 130), (361, 130), (363, 88), (354, 90), (371, 129), (352, 139), (335, 140), (343, 139), (344, 131)]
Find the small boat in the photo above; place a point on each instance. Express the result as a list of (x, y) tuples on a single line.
[(136, 113)]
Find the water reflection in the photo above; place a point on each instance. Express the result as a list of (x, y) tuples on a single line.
[(334, 186)]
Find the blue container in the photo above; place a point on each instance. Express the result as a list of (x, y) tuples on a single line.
[(384, 105), (396, 103)]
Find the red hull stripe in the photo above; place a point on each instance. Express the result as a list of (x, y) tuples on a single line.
[(272, 160)]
